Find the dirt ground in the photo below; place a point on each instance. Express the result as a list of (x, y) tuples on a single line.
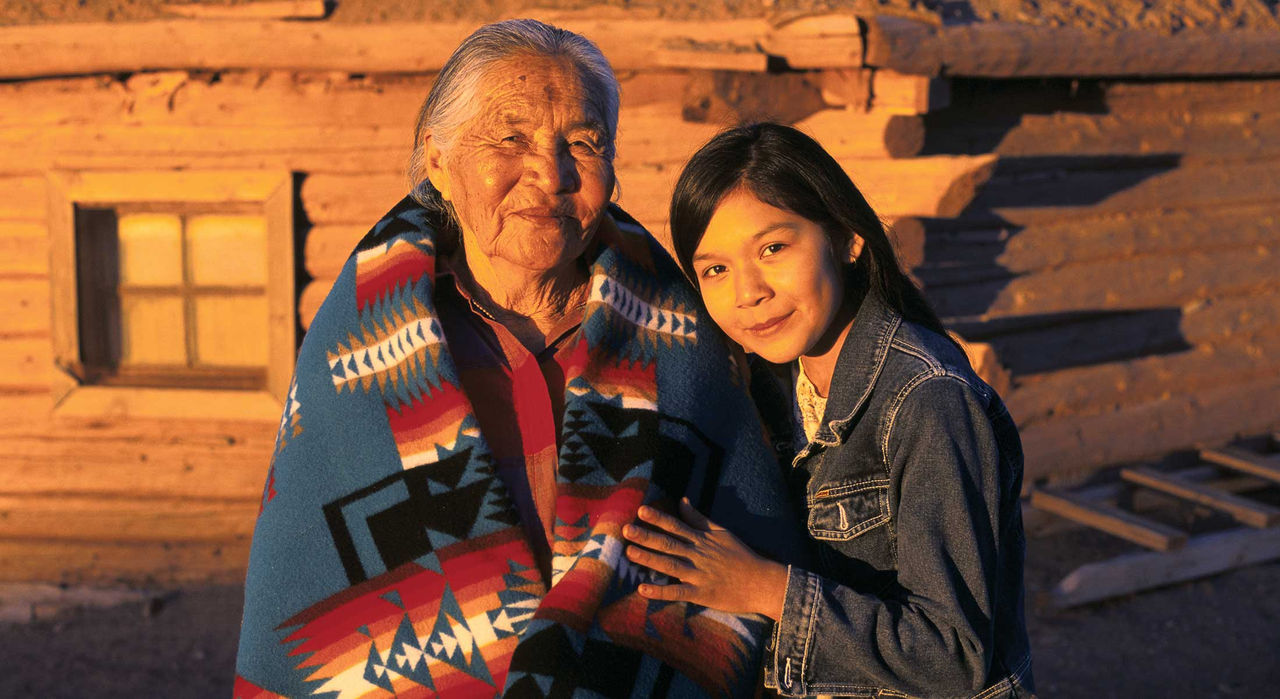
[(1211, 638), (1165, 16)]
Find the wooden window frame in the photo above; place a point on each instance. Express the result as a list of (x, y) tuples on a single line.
[(270, 192)]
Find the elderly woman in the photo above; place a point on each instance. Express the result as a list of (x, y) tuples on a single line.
[(506, 369)]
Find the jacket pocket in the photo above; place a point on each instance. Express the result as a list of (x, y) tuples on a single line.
[(846, 510)]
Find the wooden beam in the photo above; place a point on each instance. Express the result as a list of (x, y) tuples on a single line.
[(820, 41), (1244, 510), (899, 93), (400, 47), (121, 518), (144, 562), (1238, 459), (260, 9), (1148, 430), (1110, 519), (851, 133), (1202, 556), (1007, 49)]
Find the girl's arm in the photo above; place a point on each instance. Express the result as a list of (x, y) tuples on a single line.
[(932, 632)]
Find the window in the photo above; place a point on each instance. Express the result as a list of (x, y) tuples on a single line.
[(174, 292)]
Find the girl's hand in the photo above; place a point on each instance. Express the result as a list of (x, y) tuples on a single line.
[(715, 569)]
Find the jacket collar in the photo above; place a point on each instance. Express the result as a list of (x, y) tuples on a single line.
[(858, 367)]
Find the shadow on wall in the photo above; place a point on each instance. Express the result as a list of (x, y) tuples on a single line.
[(1030, 264)]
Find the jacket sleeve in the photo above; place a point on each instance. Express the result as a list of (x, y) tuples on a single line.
[(932, 632)]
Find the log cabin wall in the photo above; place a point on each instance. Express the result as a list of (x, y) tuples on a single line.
[(1105, 246)]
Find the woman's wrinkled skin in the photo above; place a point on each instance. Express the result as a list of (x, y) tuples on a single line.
[(529, 178)]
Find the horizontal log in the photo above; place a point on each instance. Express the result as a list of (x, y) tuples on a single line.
[(1203, 555), (24, 305), (820, 41), (24, 249), (1243, 133), (24, 405), (1027, 191), (123, 519), (24, 198), (852, 133), (138, 563), (934, 186), (310, 299), (328, 247), (77, 49), (260, 9), (1151, 281), (1006, 49), (308, 149), (1092, 389), (899, 93), (1110, 519), (1151, 429), (953, 256), (1243, 510), (25, 359), (1193, 96)]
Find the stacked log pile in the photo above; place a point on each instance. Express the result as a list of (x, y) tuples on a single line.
[(1107, 247)]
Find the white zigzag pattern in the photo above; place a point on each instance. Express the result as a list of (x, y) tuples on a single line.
[(478, 633), (396, 340), (632, 307)]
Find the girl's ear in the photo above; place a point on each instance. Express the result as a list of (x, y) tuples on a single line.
[(436, 171), (855, 246)]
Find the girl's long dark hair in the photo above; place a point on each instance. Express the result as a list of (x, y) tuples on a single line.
[(786, 169)]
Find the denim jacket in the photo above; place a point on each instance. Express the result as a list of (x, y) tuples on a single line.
[(911, 492)]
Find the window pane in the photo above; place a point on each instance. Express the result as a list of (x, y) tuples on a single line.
[(228, 250), (150, 249), (152, 331), (231, 330)]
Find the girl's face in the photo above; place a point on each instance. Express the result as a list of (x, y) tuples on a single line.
[(769, 278)]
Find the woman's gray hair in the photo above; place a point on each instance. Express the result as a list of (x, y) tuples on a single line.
[(454, 97)]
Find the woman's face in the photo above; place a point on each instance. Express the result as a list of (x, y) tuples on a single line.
[(529, 175), (769, 278)]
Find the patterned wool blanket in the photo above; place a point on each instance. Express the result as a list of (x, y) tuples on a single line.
[(388, 558)]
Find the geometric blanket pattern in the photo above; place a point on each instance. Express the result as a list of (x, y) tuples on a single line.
[(390, 560)]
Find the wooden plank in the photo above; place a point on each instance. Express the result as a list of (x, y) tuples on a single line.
[(259, 9), (25, 359), (24, 249), (24, 305), (1244, 133), (852, 133), (138, 563), (121, 519), (22, 198), (898, 93), (1148, 430), (24, 405), (1030, 191), (1197, 97), (1131, 381), (1202, 556), (818, 41), (252, 186), (310, 299), (1008, 49), (182, 403), (328, 247), (1153, 281), (1057, 243), (78, 49), (1244, 510), (1236, 458), (1110, 519)]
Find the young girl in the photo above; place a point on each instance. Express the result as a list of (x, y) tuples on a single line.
[(909, 466)]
